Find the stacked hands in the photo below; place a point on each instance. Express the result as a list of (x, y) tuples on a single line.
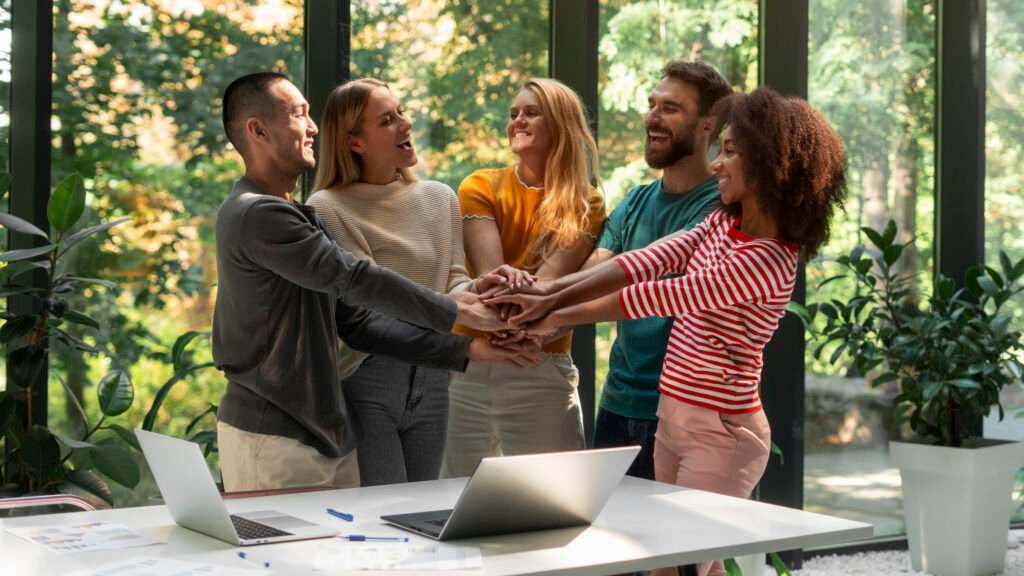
[(512, 306)]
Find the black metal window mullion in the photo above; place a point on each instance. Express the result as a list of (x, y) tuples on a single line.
[(31, 103), (572, 59), (328, 48)]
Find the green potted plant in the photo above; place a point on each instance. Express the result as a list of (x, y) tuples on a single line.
[(948, 355), (35, 459)]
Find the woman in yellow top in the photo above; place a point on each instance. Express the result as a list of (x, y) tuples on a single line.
[(541, 215), (374, 207)]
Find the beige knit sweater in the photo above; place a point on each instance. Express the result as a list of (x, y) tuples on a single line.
[(413, 229)]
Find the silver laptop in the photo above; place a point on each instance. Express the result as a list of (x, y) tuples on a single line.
[(194, 502), (525, 493)]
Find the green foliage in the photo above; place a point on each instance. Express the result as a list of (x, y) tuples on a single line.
[(950, 357), (38, 459)]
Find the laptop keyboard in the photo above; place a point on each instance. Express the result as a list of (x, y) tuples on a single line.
[(249, 530)]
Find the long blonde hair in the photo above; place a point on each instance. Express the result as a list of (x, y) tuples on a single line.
[(570, 170), (343, 118)]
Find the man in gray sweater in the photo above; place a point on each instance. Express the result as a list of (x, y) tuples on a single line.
[(286, 292)]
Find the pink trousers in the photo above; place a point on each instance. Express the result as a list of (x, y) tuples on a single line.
[(704, 449)]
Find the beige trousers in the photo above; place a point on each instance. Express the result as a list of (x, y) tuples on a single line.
[(503, 410), (705, 449), (250, 461)]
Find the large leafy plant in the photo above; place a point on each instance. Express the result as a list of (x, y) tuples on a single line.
[(949, 355), (35, 459)]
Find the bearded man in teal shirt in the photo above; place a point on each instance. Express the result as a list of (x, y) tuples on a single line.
[(678, 126)]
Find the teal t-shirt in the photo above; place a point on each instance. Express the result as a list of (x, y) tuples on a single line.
[(634, 364)]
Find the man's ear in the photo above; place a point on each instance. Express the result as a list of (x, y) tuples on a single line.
[(706, 125), (255, 129)]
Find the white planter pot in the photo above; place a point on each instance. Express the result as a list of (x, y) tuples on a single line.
[(957, 504)]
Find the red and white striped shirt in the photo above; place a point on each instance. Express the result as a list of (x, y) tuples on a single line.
[(726, 305)]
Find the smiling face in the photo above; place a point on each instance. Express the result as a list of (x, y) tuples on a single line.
[(527, 128), (290, 130), (384, 141), (728, 168), (671, 123)]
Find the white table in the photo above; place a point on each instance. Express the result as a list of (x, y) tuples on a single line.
[(645, 525)]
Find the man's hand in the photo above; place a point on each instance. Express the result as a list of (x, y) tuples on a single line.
[(530, 307), (523, 355), (477, 315)]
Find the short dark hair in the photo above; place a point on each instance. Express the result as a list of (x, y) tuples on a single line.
[(244, 98), (710, 85), (793, 160)]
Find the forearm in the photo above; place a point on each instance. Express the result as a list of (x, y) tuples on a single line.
[(589, 284), (603, 309), (374, 333)]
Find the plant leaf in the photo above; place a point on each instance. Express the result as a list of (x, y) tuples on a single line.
[(67, 203), (780, 567), (126, 435), (115, 392), (117, 463), (161, 394), (15, 269), (104, 283), (26, 364), (17, 327), (26, 253), (732, 568), (39, 452), (87, 484), (74, 401), (12, 222), (83, 234), (79, 318), (74, 444), (181, 344), (966, 383)]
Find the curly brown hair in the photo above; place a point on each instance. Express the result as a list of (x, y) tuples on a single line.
[(792, 158)]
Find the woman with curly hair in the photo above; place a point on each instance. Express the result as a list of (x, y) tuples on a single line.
[(781, 172), (541, 215)]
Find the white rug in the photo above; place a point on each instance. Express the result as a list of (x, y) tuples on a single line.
[(886, 563)]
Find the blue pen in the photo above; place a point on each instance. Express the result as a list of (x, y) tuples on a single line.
[(342, 515), (362, 538), (245, 556)]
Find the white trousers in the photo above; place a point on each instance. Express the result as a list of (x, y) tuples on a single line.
[(503, 411)]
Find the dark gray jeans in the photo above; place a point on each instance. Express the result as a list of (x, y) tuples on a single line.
[(401, 417)]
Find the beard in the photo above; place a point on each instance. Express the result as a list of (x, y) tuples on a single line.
[(680, 147)]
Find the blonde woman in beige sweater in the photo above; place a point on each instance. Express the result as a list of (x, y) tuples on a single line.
[(374, 207)]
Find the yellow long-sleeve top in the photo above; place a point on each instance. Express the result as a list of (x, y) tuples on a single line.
[(413, 229), (499, 195)]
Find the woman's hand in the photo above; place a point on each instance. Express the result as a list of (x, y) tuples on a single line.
[(501, 278), (537, 287), (476, 314), (545, 327)]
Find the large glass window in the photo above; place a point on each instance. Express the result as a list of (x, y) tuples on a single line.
[(136, 111), (1004, 182), (871, 71), (456, 67), (636, 40)]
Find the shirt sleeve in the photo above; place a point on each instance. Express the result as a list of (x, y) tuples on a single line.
[(476, 196), (278, 238), (458, 276), (755, 272), (669, 257), (611, 234), (374, 333), (596, 216), (349, 238)]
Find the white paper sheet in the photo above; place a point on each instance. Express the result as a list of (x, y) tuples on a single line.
[(335, 556), (152, 566), (83, 537)]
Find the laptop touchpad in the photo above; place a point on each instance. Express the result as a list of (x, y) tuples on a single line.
[(276, 519)]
